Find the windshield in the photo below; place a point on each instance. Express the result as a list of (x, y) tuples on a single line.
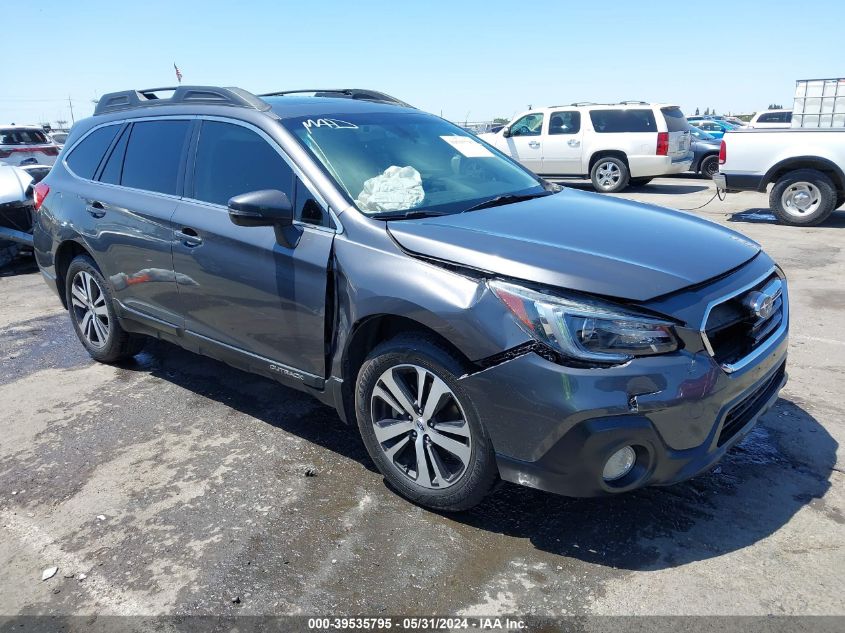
[(391, 163)]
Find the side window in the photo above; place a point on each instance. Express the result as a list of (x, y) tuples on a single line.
[(114, 164), (307, 209), (565, 122), (85, 157), (232, 159), (154, 155), (615, 121), (529, 125), (767, 118)]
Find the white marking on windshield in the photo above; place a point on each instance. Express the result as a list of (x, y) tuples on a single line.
[(333, 124)]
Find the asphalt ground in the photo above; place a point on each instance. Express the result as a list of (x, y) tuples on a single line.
[(177, 485)]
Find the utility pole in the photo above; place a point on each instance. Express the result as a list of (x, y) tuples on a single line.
[(70, 104)]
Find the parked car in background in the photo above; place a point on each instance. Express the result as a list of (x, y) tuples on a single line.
[(715, 128), (474, 321), (717, 117), (771, 119), (26, 145), (705, 151), (614, 144), (806, 168), (59, 138), (16, 211)]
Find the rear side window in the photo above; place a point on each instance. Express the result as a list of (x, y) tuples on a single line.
[(615, 121), (565, 122), (154, 154), (675, 119), (85, 157), (232, 160), (114, 164), (775, 117)]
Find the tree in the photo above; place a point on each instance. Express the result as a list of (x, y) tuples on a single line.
[(706, 111), (499, 121), (696, 112), (775, 106), (62, 123)]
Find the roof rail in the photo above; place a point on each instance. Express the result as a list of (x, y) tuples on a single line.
[(208, 95), (361, 94), (633, 103)]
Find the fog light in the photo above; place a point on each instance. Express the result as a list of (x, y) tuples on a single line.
[(619, 464)]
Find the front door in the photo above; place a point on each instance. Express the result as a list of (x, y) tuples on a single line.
[(524, 143), (239, 285)]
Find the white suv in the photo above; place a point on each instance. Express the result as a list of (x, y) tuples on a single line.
[(22, 145), (772, 119), (618, 144)]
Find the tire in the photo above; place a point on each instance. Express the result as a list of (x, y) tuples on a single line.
[(450, 481), (709, 166), (609, 174), (100, 333), (639, 182), (8, 252), (804, 197)]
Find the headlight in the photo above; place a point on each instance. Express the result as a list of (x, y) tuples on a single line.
[(586, 330)]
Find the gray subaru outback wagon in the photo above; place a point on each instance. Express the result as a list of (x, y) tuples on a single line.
[(476, 322)]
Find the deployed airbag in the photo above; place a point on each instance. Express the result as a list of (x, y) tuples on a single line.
[(397, 189)]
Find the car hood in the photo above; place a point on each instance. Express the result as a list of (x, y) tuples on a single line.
[(582, 241)]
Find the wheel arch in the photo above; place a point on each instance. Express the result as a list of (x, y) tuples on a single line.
[(607, 153), (824, 165), (369, 332), (65, 254)]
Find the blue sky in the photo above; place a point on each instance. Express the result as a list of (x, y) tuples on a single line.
[(471, 59)]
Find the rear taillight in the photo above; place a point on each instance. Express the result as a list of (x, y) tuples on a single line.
[(51, 151), (663, 143), (40, 192), (723, 153)]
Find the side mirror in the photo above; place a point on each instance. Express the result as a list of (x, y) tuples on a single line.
[(506, 132), (267, 207)]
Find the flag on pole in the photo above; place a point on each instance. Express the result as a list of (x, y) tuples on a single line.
[(178, 72)]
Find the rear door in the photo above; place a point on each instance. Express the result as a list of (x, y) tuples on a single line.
[(562, 144), (678, 129), (126, 217), (239, 285), (525, 142)]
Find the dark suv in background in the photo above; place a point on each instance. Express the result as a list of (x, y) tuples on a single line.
[(473, 320)]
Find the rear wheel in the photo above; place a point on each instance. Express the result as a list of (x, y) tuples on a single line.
[(609, 174), (805, 197), (709, 166), (639, 182), (91, 309), (420, 427)]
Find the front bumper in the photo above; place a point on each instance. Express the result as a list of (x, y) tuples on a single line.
[(554, 427)]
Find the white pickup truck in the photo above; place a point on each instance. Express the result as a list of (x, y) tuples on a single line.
[(806, 167)]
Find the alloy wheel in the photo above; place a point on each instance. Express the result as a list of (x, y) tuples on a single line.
[(801, 199), (89, 306), (420, 426), (608, 175)]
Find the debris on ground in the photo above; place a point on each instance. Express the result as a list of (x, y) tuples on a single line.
[(49, 573)]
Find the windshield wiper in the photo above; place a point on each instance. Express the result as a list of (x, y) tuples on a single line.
[(407, 215), (508, 198)]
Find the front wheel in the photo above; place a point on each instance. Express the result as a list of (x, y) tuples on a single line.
[(419, 426), (609, 174), (804, 197)]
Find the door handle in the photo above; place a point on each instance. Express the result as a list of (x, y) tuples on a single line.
[(534, 144), (95, 208), (574, 143), (189, 237)]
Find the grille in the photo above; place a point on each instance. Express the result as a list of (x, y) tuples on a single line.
[(739, 416), (734, 330)]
